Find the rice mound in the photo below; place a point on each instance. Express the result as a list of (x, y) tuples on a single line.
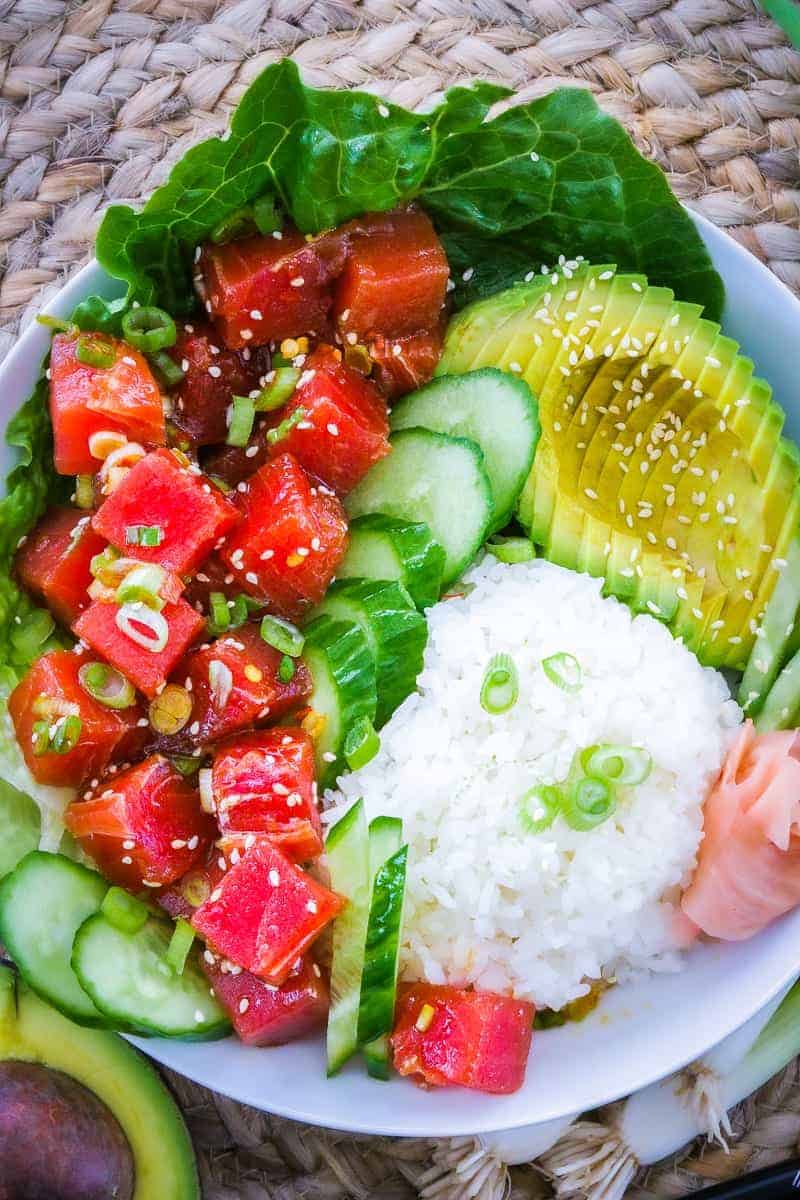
[(540, 914)]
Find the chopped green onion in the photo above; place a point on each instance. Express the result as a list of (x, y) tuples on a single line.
[(179, 946), (283, 636), (564, 671), (57, 324), (134, 619), (361, 743), (144, 535), (186, 764), (279, 360), (500, 687), (286, 669), (243, 413), (237, 224), (588, 803), (286, 426), (123, 910), (265, 215), (168, 371), (95, 350), (626, 765), (220, 618), (149, 329), (239, 609), (539, 807), (84, 491), (549, 1018), (106, 685), (143, 585), (279, 389), (56, 737), (511, 549)]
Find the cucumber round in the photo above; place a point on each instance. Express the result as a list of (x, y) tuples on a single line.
[(435, 478), (385, 548), (347, 854), (382, 951), (338, 656), (42, 903), (492, 408), (395, 631), (130, 981)]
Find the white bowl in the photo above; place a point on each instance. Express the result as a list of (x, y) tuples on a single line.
[(639, 1033)]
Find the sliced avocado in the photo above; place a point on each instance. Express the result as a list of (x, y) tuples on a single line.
[(31, 1031), (661, 464)]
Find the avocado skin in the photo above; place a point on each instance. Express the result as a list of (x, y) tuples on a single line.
[(117, 1075)]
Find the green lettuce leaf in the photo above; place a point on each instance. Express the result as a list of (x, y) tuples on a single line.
[(555, 176)]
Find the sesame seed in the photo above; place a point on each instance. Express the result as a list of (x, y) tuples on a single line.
[(255, 314), (244, 1004), (332, 429), (214, 372), (274, 878), (467, 275), (328, 757), (246, 334), (312, 906), (298, 281), (126, 858)]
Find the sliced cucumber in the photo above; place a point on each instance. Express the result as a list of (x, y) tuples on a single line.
[(385, 839), (131, 982), (396, 633), (777, 629), (347, 852), (21, 825), (385, 548), (438, 479), (492, 408), (782, 704), (42, 903), (338, 656), (382, 952), (377, 1057)]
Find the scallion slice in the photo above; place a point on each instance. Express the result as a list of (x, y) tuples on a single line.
[(95, 350), (144, 626), (626, 765), (588, 803), (286, 426), (539, 807), (84, 491), (278, 390), (106, 685), (57, 324), (143, 585), (123, 910), (148, 536), (179, 946), (500, 687), (168, 372), (243, 413), (564, 671), (284, 636), (149, 329), (56, 737), (511, 549), (286, 669), (361, 743), (220, 616)]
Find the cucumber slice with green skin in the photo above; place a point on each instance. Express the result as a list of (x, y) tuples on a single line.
[(21, 825), (130, 981), (385, 548), (42, 903), (338, 656), (385, 839), (377, 1058), (782, 704), (438, 479), (382, 951), (494, 409), (396, 633), (347, 853), (777, 628)]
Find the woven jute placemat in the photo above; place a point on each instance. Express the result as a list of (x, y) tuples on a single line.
[(98, 98)]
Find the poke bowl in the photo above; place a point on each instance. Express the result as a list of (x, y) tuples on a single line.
[(509, 721)]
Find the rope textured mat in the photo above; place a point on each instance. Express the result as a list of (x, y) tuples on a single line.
[(97, 99)]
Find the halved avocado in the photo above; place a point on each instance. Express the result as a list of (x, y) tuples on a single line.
[(113, 1072), (661, 464)]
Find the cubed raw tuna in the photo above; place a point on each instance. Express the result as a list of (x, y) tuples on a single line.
[(54, 561), (164, 494), (344, 423), (265, 913), (291, 539), (51, 691), (213, 375), (264, 783), (401, 365), (143, 826), (265, 1015), (448, 1035), (123, 635), (123, 398)]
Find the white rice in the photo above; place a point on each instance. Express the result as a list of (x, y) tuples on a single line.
[(539, 915)]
